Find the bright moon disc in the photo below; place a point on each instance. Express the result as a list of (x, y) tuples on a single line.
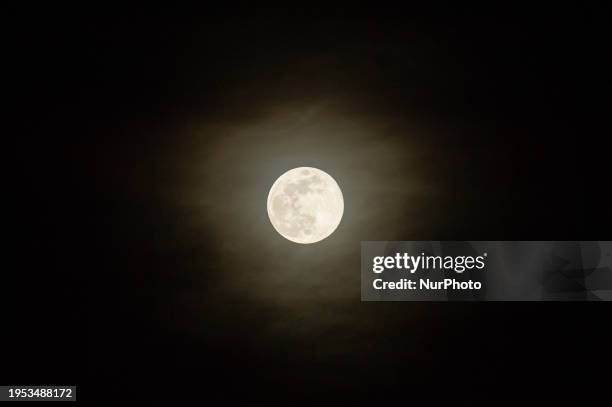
[(305, 205)]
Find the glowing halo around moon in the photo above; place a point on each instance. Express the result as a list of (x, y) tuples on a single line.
[(305, 205)]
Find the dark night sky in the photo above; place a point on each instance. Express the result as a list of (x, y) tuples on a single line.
[(145, 148)]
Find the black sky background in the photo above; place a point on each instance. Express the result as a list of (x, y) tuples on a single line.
[(513, 105)]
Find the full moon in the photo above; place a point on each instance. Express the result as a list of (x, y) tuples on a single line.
[(305, 205)]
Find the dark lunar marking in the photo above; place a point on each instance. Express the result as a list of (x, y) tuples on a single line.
[(305, 172), (307, 220), (307, 231), (290, 189), (303, 186)]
